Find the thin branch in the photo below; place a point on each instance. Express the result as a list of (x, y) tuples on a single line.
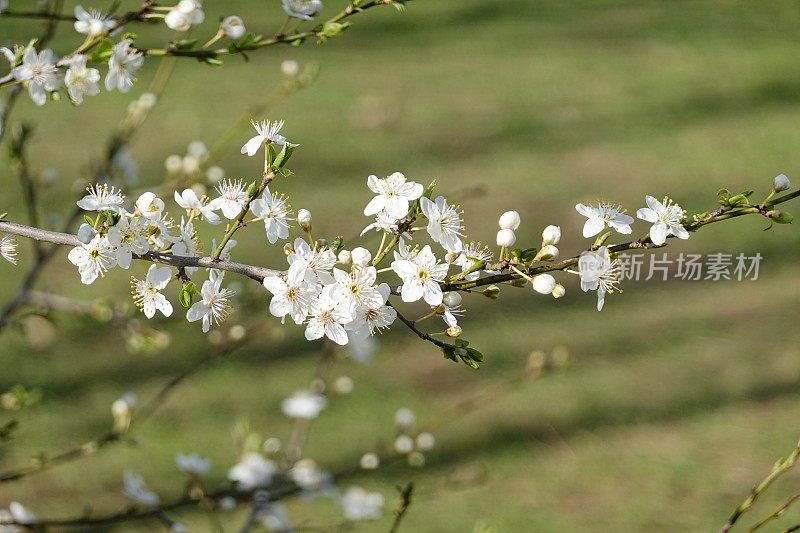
[(776, 513), (139, 417), (406, 497), (781, 467)]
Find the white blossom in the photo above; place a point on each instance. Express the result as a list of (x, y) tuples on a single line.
[(183, 16), (444, 223), (360, 256), (328, 319), (186, 245), (193, 464), (302, 9), (303, 404), (129, 237), (81, 80), (16, 513), (666, 218), (214, 306), (291, 296), (122, 66), (266, 132), (188, 200), (473, 254), (404, 418), (421, 277), (231, 198), (383, 222), (367, 319), (605, 214), (274, 517), (135, 489), (355, 288), (252, 471), (233, 27), (39, 72), (92, 22), (93, 259), (149, 206), (8, 249), (393, 195), (359, 504), (318, 262), (147, 295), (101, 197), (599, 272), (274, 211)]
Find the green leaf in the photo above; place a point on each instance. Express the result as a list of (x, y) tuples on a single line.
[(188, 291), (88, 220), (723, 195)]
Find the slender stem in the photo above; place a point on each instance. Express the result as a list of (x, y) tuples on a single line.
[(781, 467), (776, 513)]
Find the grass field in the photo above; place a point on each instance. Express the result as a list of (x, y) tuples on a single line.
[(677, 397)]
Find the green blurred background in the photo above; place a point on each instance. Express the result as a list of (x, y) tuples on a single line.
[(677, 397)]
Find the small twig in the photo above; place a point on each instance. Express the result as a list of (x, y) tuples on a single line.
[(781, 467), (776, 513), (406, 494)]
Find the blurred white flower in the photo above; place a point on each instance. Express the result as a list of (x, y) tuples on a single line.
[(92, 22), (302, 9), (666, 218), (122, 66), (290, 67), (605, 214), (304, 405), (39, 72), (274, 517), (233, 27), (404, 418), (134, 488), (193, 464), (359, 504), (404, 444), (18, 514), (362, 349), (425, 441), (81, 80), (252, 471)]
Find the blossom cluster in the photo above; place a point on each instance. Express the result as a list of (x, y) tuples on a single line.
[(43, 73)]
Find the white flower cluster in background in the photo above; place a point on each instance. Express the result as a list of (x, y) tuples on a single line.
[(43, 73)]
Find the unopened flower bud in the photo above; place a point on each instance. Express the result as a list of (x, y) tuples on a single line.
[(404, 444), (509, 220), (289, 67), (544, 283), (190, 164), (148, 100), (451, 299), (345, 257), (404, 418), (121, 410), (343, 385), (453, 331), (304, 219), (233, 27), (547, 253), (86, 233), (558, 291), (370, 461), (198, 149), (551, 235), (491, 291), (781, 183), (425, 441), (506, 238), (361, 256)]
